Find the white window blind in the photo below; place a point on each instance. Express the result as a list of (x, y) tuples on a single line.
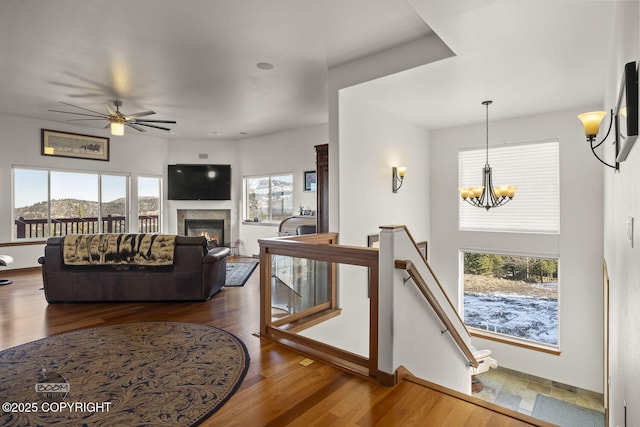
[(533, 168)]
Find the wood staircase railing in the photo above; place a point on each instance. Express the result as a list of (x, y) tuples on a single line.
[(319, 247), (454, 330)]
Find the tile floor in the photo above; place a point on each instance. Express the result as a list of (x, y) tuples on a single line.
[(518, 391)]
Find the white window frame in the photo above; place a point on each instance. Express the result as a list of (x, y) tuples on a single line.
[(160, 202), (245, 196), (98, 174), (504, 338)]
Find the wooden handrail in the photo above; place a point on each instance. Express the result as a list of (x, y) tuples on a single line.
[(435, 278), (442, 315)]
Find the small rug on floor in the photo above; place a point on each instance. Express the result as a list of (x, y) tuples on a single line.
[(238, 272), (508, 400), (141, 373), (565, 414)]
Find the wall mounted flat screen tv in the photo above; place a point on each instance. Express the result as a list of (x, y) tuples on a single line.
[(627, 111), (199, 182)]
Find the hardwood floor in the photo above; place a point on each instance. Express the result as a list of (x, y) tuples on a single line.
[(278, 390)]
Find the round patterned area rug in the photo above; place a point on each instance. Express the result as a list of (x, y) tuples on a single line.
[(143, 373)]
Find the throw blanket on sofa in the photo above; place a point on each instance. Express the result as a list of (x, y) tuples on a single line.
[(116, 249)]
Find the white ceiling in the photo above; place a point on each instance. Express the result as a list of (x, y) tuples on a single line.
[(194, 61), (528, 56)]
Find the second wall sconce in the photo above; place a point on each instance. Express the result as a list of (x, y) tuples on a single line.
[(625, 118), (398, 177), (591, 122)]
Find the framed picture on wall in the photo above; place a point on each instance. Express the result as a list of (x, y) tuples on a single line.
[(309, 180), (65, 144)]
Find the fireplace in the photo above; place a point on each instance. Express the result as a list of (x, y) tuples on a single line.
[(205, 220), (212, 229)]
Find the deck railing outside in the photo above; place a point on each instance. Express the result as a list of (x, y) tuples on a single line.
[(40, 228)]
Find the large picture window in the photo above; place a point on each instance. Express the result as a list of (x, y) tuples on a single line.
[(149, 204), (57, 203), (532, 167), (114, 203), (512, 295), (268, 198)]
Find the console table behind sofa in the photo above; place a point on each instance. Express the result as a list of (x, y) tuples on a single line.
[(196, 275)]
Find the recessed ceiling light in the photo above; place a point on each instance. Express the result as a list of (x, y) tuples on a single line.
[(264, 65)]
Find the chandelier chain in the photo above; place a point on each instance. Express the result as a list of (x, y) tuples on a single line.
[(486, 104)]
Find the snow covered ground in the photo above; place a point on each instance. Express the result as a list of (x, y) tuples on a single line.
[(529, 318)]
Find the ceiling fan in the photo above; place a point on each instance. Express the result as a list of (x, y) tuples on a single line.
[(118, 120)]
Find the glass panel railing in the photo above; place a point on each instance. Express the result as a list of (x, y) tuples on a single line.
[(298, 285), (321, 297), (348, 331)]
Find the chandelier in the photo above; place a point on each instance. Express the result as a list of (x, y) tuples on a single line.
[(487, 196)]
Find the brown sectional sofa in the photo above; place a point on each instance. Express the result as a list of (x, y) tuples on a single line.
[(197, 274)]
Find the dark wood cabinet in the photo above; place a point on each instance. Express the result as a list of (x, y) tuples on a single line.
[(322, 187)]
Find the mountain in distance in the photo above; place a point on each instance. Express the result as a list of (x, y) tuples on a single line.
[(74, 208)]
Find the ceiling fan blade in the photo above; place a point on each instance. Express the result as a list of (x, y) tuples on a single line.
[(86, 95), (102, 116), (155, 121), (141, 114), (77, 120), (110, 109), (138, 128), (152, 126), (82, 108)]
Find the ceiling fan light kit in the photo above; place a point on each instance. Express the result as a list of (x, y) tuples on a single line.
[(117, 127), (117, 120)]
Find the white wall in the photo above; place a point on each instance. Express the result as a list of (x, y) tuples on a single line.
[(371, 142), (410, 330), (21, 145), (397, 59), (291, 151), (622, 201), (579, 244)]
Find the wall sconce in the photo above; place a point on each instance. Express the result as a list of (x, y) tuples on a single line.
[(591, 122), (398, 177)]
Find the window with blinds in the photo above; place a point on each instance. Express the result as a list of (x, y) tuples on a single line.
[(532, 167)]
